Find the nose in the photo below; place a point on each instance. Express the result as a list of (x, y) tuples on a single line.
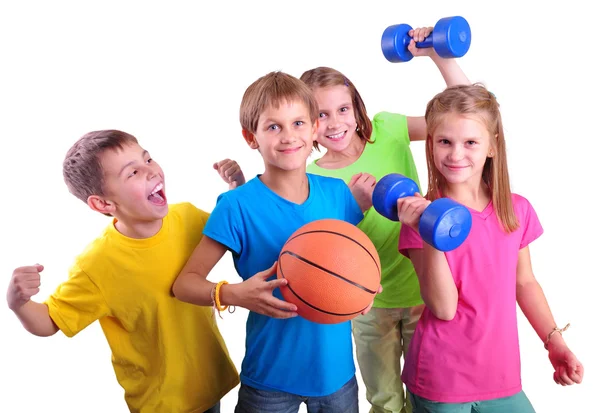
[(333, 121), (288, 137), (152, 171), (456, 153)]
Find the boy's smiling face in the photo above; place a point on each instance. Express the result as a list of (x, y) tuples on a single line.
[(284, 135), (134, 187)]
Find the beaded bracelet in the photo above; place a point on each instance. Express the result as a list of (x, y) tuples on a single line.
[(555, 330)]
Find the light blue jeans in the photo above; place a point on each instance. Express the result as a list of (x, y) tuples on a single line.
[(519, 403)]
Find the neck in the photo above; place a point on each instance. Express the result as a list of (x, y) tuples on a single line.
[(475, 195), (349, 154), (290, 185), (138, 229)]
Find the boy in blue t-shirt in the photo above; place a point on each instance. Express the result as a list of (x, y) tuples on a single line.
[(289, 360)]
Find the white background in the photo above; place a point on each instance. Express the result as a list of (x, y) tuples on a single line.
[(174, 74)]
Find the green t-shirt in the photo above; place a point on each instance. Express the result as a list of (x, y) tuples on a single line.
[(389, 153)]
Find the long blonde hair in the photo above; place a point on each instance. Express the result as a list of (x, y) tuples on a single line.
[(478, 101)]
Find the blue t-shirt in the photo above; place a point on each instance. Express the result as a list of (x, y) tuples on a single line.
[(293, 355)]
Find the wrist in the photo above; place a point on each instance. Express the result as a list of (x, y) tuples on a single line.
[(555, 337), (228, 294), (17, 306)]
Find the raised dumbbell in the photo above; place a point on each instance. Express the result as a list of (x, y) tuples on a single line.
[(451, 37), (444, 224)]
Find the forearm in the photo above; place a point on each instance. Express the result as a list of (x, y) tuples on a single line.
[(533, 303), (438, 288), (36, 319), (451, 71), (192, 288)]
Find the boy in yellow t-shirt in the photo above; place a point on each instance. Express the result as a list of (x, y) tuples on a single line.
[(167, 355)]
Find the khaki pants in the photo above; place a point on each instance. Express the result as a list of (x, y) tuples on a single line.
[(382, 337)]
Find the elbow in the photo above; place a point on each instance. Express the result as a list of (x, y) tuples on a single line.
[(445, 312), (178, 288)]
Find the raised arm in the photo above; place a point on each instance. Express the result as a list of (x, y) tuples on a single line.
[(35, 317), (449, 68)]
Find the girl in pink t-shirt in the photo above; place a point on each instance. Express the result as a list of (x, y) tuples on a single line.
[(465, 351)]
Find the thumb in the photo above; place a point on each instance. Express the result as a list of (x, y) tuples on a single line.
[(418, 195), (269, 271), (39, 267), (215, 166), (572, 361)]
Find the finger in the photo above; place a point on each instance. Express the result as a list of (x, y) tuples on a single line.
[(269, 271), (33, 282), (276, 303), (276, 313), (219, 164), (231, 170), (366, 310), (279, 282), (28, 269), (30, 292), (564, 377), (354, 179), (574, 376)]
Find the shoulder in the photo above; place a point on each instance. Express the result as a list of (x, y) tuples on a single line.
[(95, 252), (392, 125), (187, 210), (326, 182), (389, 121), (521, 205)]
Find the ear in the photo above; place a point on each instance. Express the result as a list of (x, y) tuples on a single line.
[(315, 130), (250, 139), (99, 204)]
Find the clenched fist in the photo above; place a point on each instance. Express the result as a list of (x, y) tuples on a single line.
[(24, 284)]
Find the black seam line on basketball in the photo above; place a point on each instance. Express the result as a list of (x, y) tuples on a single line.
[(314, 306), (327, 271), (341, 235)]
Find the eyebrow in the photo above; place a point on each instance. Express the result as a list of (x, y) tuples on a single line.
[(128, 164)]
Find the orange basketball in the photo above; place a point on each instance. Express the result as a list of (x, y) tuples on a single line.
[(333, 271)]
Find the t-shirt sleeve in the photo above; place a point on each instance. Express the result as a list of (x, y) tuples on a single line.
[(528, 220), (392, 125), (353, 212), (224, 224), (76, 303), (409, 239)]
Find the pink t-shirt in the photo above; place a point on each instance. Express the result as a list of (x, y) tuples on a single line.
[(475, 356)]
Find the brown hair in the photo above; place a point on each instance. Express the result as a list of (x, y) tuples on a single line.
[(271, 90), (82, 169), (478, 101), (326, 77)]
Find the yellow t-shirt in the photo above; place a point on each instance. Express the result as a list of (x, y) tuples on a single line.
[(167, 355)]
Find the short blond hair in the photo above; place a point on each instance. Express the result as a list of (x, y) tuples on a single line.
[(270, 91)]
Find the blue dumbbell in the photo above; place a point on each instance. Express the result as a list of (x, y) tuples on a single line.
[(444, 224), (451, 37)]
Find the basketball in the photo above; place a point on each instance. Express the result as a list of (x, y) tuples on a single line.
[(333, 271)]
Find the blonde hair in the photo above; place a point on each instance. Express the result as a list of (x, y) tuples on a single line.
[(473, 100), (271, 90), (326, 77)]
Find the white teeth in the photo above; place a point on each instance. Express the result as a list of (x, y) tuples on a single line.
[(157, 188), (336, 136)]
